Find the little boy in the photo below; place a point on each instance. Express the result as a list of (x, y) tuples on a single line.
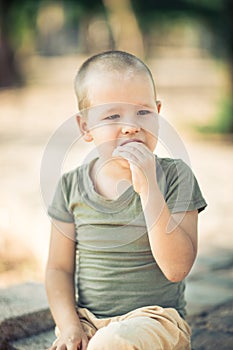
[(124, 229)]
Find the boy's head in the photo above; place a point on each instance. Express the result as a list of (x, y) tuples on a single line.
[(117, 101), (112, 65)]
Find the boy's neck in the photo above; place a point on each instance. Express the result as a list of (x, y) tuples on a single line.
[(111, 178), (115, 168)]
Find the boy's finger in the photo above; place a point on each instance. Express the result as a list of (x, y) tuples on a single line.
[(72, 347), (136, 145), (130, 156), (134, 148), (84, 345)]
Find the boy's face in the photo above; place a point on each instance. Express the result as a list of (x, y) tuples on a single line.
[(122, 109)]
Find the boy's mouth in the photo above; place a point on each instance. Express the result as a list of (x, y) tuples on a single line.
[(131, 140)]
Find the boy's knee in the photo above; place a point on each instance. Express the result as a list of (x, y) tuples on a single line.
[(114, 336)]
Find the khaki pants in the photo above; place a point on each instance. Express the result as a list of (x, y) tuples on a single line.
[(146, 328)]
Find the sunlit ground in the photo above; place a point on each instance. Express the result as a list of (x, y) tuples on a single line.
[(190, 91)]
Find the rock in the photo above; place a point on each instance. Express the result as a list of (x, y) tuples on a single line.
[(213, 328), (41, 341), (23, 312)]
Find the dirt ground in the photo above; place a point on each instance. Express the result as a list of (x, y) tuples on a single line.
[(189, 89)]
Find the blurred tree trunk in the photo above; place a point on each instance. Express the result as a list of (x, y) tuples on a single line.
[(9, 70), (123, 23)]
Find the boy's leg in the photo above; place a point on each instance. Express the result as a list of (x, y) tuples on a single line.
[(143, 329)]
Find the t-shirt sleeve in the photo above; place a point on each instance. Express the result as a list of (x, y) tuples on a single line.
[(59, 208), (183, 192)]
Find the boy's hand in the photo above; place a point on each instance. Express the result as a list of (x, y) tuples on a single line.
[(72, 339), (142, 165)]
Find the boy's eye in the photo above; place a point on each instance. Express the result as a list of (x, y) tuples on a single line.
[(143, 112), (112, 117)]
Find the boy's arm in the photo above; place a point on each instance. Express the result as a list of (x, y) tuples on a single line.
[(60, 286), (173, 238)]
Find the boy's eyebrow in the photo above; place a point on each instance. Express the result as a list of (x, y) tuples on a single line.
[(145, 106), (111, 109), (103, 109)]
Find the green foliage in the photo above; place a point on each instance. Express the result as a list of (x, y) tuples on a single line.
[(17, 18), (18, 25), (223, 122), (216, 15), (214, 5)]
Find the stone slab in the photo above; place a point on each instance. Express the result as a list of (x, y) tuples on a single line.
[(39, 342), (24, 312), (213, 329), (208, 291), (21, 299)]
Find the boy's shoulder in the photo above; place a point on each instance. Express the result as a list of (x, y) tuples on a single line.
[(166, 162), (78, 171), (70, 179), (172, 169)]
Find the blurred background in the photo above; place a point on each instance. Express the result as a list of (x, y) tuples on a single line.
[(188, 46)]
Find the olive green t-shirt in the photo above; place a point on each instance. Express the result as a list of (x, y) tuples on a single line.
[(115, 269)]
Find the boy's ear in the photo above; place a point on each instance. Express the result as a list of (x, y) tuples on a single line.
[(159, 105), (83, 128)]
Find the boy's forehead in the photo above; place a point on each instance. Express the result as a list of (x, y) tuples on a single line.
[(102, 80)]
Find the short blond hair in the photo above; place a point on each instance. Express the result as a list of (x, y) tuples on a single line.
[(108, 61)]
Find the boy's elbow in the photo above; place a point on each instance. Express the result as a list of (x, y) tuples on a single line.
[(176, 276)]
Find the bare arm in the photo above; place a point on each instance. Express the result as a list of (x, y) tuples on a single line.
[(173, 238), (60, 287)]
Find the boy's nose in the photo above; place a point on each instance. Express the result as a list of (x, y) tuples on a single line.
[(130, 129)]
